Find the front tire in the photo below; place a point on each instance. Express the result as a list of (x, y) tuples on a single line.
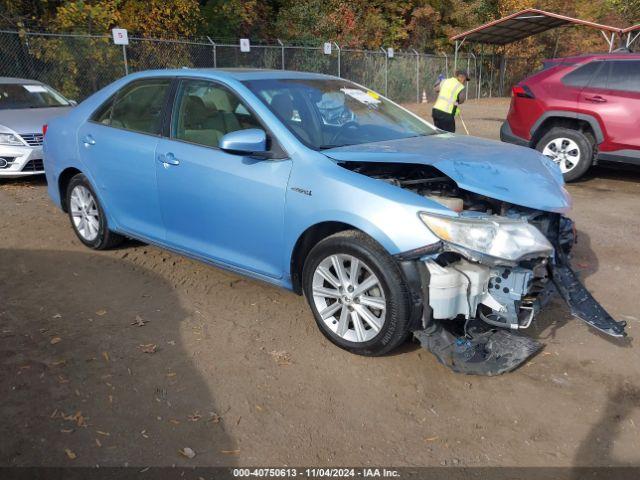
[(571, 149), (357, 294), (87, 216)]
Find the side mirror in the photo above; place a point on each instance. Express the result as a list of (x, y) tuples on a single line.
[(247, 142)]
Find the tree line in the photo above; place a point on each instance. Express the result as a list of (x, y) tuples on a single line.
[(425, 25)]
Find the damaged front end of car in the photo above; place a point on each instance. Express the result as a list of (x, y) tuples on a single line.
[(493, 270)]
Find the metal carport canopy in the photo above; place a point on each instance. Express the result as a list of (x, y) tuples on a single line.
[(633, 34), (526, 23)]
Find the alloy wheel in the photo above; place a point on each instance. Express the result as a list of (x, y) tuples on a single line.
[(563, 151), (349, 298), (85, 214)]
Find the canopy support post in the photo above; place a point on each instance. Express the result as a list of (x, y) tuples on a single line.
[(608, 39)]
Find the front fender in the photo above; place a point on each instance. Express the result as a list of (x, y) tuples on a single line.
[(326, 192)]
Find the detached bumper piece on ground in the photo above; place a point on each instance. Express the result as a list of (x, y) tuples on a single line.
[(473, 310), (583, 305)]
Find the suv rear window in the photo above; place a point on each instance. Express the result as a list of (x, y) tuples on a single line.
[(581, 76), (624, 75)]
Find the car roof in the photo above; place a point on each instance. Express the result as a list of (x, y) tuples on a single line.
[(21, 81), (240, 74), (599, 56)]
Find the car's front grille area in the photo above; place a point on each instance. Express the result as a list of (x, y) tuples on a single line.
[(32, 139), (33, 166)]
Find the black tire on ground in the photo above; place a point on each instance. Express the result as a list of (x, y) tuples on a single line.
[(105, 239), (395, 329), (585, 145)]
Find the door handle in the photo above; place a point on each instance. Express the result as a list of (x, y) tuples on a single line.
[(88, 140), (168, 159), (596, 99)]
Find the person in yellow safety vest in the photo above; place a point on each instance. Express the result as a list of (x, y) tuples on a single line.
[(449, 98)]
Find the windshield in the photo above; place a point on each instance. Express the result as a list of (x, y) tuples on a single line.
[(17, 95), (334, 113)]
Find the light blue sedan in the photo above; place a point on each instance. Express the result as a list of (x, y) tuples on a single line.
[(387, 225)]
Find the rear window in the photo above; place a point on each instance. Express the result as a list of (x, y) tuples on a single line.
[(624, 75), (581, 76)]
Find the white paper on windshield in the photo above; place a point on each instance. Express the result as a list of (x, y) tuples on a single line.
[(362, 97), (35, 88)]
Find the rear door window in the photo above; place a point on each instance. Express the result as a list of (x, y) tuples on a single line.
[(581, 76), (625, 75), (137, 106), (601, 78)]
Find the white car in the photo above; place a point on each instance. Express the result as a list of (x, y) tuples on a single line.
[(25, 107)]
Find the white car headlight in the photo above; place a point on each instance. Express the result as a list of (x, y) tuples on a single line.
[(10, 139), (497, 237)]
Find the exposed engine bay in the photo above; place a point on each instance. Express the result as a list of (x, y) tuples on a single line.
[(473, 303)]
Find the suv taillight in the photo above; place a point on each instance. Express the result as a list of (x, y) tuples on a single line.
[(522, 91), (44, 129)]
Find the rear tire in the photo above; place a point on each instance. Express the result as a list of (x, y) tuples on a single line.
[(571, 149), (87, 216), (365, 308)]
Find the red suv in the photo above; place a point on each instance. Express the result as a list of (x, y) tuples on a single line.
[(579, 111)]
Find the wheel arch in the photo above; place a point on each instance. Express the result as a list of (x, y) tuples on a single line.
[(306, 241), (579, 121), (63, 184)]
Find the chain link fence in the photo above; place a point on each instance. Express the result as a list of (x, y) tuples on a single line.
[(78, 65)]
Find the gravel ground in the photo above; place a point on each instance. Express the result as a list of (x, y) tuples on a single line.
[(128, 356)]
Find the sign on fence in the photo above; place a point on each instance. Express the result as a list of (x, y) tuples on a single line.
[(245, 45), (120, 36), (390, 52), (327, 48)]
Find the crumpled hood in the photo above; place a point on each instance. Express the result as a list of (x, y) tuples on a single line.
[(30, 120), (506, 172)]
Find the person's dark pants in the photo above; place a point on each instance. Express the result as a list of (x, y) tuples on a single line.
[(443, 120)]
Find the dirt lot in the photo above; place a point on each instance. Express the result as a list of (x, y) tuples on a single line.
[(241, 375)]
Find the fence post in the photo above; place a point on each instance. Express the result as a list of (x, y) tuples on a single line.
[(491, 78), (124, 56), (215, 60), (503, 73), (475, 70), (455, 57), (417, 75), (386, 72), (446, 64), (338, 48), (466, 90), (282, 51), (480, 74)]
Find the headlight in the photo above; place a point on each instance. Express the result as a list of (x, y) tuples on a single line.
[(498, 237), (9, 139)]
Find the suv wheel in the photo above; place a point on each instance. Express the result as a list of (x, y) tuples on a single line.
[(357, 294), (571, 149), (87, 216)]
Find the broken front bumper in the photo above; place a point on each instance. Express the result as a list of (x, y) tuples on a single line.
[(484, 297)]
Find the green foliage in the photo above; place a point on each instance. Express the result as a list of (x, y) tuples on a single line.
[(629, 9)]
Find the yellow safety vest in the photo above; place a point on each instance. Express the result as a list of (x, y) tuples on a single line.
[(448, 95)]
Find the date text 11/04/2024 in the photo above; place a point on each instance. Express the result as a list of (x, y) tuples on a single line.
[(316, 472)]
